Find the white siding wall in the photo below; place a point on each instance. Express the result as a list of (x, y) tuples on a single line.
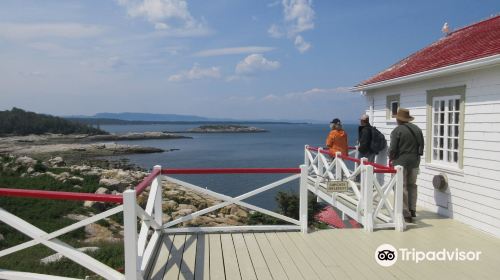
[(473, 196)]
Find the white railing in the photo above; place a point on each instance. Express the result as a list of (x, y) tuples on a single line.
[(138, 250), (367, 201), (300, 224), (140, 246)]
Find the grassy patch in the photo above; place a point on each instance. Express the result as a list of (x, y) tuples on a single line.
[(49, 215)]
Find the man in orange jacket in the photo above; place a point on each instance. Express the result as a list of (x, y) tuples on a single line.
[(337, 138)]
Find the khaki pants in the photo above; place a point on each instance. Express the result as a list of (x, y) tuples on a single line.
[(409, 191)]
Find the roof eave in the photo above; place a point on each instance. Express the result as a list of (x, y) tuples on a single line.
[(450, 69)]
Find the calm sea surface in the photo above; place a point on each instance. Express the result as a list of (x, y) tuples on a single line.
[(282, 146)]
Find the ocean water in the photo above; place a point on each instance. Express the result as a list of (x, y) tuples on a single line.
[(282, 146)]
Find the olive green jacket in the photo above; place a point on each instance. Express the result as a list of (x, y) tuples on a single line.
[(404, 147)]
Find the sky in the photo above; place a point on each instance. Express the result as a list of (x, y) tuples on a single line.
[(245, 59)]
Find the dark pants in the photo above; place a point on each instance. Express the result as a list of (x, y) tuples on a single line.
[(409, 191)]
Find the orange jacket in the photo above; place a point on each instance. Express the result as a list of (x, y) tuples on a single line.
[(337, 141)]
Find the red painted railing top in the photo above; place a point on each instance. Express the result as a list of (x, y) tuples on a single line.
[(379, 167), (171, 171), (61, 195), (147, 181)]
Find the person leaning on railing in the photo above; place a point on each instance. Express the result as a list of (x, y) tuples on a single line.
[(407, 144), (337, 138), (365, 138)]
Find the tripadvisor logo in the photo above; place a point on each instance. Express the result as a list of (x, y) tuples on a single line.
[(387, 255)]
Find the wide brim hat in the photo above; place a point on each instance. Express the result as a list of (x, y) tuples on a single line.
[(404, 115)]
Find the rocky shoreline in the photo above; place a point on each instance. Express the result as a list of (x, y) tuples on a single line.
[(79, 145), (178, 201), (226, 129)]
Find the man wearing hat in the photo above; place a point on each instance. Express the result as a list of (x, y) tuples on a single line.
[(407, 144), (337, 138)]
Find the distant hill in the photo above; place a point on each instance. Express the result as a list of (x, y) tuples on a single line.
[(20, 122), (150, 117)]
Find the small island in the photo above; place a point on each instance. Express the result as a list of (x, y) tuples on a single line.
[(230, 128)]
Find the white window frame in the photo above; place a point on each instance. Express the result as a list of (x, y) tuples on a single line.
[(451, 146)]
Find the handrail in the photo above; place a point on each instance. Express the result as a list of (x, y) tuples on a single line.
[(171, 171), (379, 167), (61, 195), (147, 181)]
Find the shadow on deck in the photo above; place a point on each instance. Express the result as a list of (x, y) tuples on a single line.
[(327, 254)]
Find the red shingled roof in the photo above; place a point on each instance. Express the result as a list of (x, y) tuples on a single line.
[(475, 41)]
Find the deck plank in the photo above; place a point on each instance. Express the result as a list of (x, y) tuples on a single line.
[(298, 258), (285, 259), (216, 258), (334, 261), (247, 269), (174, 261), (261, 269), (308, 255), (162, 256), (350, 240), (272, 260), (230, 260), (202, 263), (189, 258)]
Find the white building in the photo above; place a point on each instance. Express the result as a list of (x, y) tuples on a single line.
[(452, 88)]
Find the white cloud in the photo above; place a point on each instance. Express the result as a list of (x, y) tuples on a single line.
[(298, 18), (20, 31), (299, 14), (254, 63), (301, 44), (275, 31), (196, 73), (236, 50), (167, 15)]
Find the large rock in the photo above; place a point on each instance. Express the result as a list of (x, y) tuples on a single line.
[(62, 177), (57, 162), (102, 190), (58, 256), (26, 161), (110, 182), (98, 233), (187, 206), (169, 205)]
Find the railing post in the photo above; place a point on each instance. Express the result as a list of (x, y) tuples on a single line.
[(367, 193), (398, 199), (320, 164), (306, 158), (132, 267), (338, 168), (356, 155), (158, 211), (303, 198)]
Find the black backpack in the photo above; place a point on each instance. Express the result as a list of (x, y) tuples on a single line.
[(378, 142)]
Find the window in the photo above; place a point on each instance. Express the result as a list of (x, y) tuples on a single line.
[(445, 124), (392, 106), (445, 129)]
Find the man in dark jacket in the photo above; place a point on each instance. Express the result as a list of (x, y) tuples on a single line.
[(407, 144), (365, 138)]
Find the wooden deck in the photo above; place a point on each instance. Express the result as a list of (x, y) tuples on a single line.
[(326, 254)]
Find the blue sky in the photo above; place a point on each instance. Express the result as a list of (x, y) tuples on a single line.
[(290, 59)]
